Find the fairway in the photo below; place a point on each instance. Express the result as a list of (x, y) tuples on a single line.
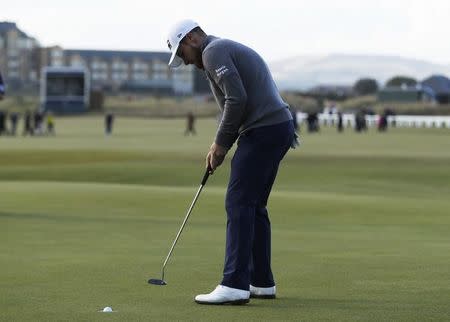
[(360, 225)]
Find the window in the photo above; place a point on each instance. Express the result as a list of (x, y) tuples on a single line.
[(76, 63), (13, 74), (13, 52), (118, 76), (118, 66), (33, 75), (140, 66), (13, 64), (139, 76), (160, 75), (99, 65), (159, 66), (57, 62), (56, 53), (99, 76)]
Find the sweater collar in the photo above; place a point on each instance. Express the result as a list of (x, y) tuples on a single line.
[(207, 41)]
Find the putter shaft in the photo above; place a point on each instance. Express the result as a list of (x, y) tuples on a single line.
[(205, 178)]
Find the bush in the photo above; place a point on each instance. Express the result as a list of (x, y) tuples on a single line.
[(365, 86), (398, 81)]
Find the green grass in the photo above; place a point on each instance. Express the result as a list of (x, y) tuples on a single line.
[(160, 107), (361, 226)]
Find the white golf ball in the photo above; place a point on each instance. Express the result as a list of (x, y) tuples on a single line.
[(107, 309)]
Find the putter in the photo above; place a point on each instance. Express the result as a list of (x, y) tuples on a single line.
[(161, 281)]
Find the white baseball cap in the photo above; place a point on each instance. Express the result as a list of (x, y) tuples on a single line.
[(176, 34)]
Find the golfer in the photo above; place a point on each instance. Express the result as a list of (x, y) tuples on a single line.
[(259, 120)]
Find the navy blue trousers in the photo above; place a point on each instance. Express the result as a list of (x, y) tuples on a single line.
[(253, 170)]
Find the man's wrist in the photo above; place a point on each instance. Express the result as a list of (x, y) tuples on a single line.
[(218, 149)]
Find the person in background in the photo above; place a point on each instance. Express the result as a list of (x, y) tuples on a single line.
[(38, 118), (190, 124), (50, 124), (14, 118), (382, 122), (109, 120), (313, 122), (3, 130), (340, 123), (360, 121), (27, 128)]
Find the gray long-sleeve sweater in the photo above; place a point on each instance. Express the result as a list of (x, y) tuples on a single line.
[(243, 87)]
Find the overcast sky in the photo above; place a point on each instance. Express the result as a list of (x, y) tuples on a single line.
[(276, 29)]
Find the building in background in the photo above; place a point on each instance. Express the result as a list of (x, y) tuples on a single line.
[(22, 59), (435, 88), (64, 90), (440, 85), (132, 71), (405, 94), (18, 57)]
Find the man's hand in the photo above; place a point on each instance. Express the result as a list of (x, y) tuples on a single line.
[(215, 156)]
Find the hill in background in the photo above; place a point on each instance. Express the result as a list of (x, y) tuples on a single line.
[(303, 72)]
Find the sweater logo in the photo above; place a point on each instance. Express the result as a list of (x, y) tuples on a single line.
[(221, 70)]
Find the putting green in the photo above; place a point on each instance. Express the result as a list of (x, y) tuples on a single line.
[(361, 226)]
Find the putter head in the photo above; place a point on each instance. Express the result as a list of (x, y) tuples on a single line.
[(156, 281)]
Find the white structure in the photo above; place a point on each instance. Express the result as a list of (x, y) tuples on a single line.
[(65, 89), (372, 120)]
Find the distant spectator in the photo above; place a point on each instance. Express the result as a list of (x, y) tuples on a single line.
[(50, 124), (109, 120), (14, 118), (2, 122), (38, 118), (360, 121), (382, 122), (2, 87), (333, 108), (390, 112), (333, 111), (190, 124), (340, 123), (313, 122), (27, 128)]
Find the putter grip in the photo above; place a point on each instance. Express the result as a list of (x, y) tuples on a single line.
[(205, 177)]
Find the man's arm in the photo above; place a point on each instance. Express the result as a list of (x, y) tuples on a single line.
[(233, 110), (218, 95), (231, 96), (229, 92)]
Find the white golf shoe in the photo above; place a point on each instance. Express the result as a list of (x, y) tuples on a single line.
[(224, 295), (263, 292)]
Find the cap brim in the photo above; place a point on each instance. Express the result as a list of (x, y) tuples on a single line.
[(175, 61)]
